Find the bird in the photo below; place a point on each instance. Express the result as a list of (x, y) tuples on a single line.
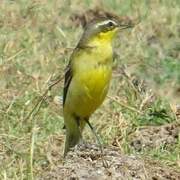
[(87, 76)]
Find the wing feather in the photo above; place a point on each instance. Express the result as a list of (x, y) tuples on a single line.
[(67, 81)]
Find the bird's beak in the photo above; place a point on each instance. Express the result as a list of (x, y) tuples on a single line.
[(125, 26)]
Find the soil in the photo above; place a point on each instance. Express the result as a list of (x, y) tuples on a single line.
[(87, 162), (155, 136)]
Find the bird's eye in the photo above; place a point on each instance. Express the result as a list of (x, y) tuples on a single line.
[(110, 24)]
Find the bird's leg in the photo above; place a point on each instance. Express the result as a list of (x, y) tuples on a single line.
[(81, 124), (105, 164)]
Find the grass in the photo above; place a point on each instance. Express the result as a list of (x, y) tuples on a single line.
[(36, 38)]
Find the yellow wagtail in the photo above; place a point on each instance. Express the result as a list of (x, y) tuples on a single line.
[(87, 77)]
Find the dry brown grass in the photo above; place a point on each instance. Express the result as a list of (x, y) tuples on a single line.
[(37, 38)]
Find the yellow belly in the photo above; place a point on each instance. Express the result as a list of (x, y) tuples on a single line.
[(88, 90)]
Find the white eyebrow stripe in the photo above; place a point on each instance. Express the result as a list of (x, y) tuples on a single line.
[(104, 22)]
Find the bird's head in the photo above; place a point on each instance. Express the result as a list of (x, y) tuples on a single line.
[(102, 30)]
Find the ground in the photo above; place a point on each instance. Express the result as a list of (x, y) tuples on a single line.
[(116, 166), (86, 161), (138, 122)]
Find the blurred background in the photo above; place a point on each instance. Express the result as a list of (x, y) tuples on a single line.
[(37, 38)]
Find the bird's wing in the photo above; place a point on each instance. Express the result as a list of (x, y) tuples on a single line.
[(69, 71), (68, 77)]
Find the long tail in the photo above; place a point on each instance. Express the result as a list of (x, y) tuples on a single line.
[(73, 132)]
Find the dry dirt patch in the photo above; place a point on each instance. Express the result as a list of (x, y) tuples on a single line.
[(155, 136), (85, 162)]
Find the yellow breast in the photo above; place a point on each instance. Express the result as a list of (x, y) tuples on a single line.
[(92, 88), (92, 70)]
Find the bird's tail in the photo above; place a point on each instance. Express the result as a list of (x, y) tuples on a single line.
[(73, 132)]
